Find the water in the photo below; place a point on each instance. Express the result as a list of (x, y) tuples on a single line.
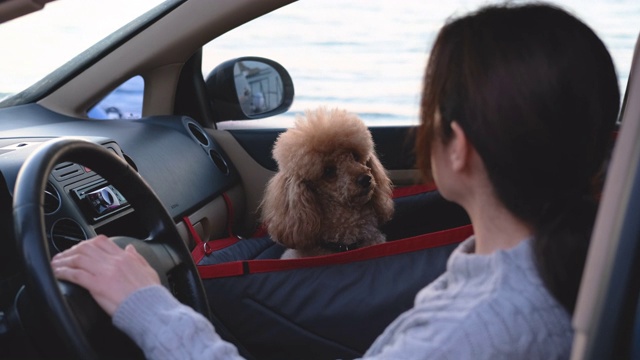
[(367, 56)]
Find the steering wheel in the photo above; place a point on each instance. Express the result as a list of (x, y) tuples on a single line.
[(70, 307)]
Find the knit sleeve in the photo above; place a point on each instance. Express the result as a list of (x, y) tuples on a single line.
[(166, 329)]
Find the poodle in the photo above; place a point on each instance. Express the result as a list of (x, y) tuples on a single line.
[(331, 192)]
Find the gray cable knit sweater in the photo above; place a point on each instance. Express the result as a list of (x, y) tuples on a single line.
[(483, 307)]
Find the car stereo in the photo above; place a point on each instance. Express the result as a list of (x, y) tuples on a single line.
[(99, 199)]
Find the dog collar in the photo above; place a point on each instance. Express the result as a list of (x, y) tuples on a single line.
[(339, 247)]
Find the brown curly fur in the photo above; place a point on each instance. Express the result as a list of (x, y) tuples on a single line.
[(320, 193)]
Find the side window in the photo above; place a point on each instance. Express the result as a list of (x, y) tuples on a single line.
[(125, 102), (373, 65)]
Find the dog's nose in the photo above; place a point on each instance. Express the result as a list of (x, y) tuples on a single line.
[(364, 181)]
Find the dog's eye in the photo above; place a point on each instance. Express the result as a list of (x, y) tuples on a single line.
[(329, 172), (356, 157)]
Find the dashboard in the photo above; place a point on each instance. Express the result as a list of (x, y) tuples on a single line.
[(185, 167)]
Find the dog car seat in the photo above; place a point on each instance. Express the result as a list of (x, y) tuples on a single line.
[(332, 306)]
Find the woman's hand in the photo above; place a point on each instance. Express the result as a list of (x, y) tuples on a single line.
[(110, 273)]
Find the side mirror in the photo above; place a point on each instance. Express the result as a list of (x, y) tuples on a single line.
[(249, 88)]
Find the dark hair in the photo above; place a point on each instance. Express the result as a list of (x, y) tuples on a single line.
[(536, 93)]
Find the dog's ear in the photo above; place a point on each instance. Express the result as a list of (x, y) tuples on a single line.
[(290, 212), (382, 195)]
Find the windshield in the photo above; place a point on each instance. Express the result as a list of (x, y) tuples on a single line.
[(38, 43)]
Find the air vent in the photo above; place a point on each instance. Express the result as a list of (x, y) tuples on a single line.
[(65, 233), (51, 199), (66, 170), (198, 134), (219, 161)]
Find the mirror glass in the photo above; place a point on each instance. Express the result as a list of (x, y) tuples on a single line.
[(258, 85)]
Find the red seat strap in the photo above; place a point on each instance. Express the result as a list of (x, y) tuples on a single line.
[(200, 250), (426, 241), (204, 248)]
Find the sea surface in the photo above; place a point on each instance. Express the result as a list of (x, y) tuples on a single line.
[(367, 56)]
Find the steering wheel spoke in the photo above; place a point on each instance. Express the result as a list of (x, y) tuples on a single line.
[(85, 309), (162, 258)]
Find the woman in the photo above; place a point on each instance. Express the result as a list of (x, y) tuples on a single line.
[(517, 108)]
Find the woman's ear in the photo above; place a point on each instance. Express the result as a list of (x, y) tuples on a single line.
[(458, 148)]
